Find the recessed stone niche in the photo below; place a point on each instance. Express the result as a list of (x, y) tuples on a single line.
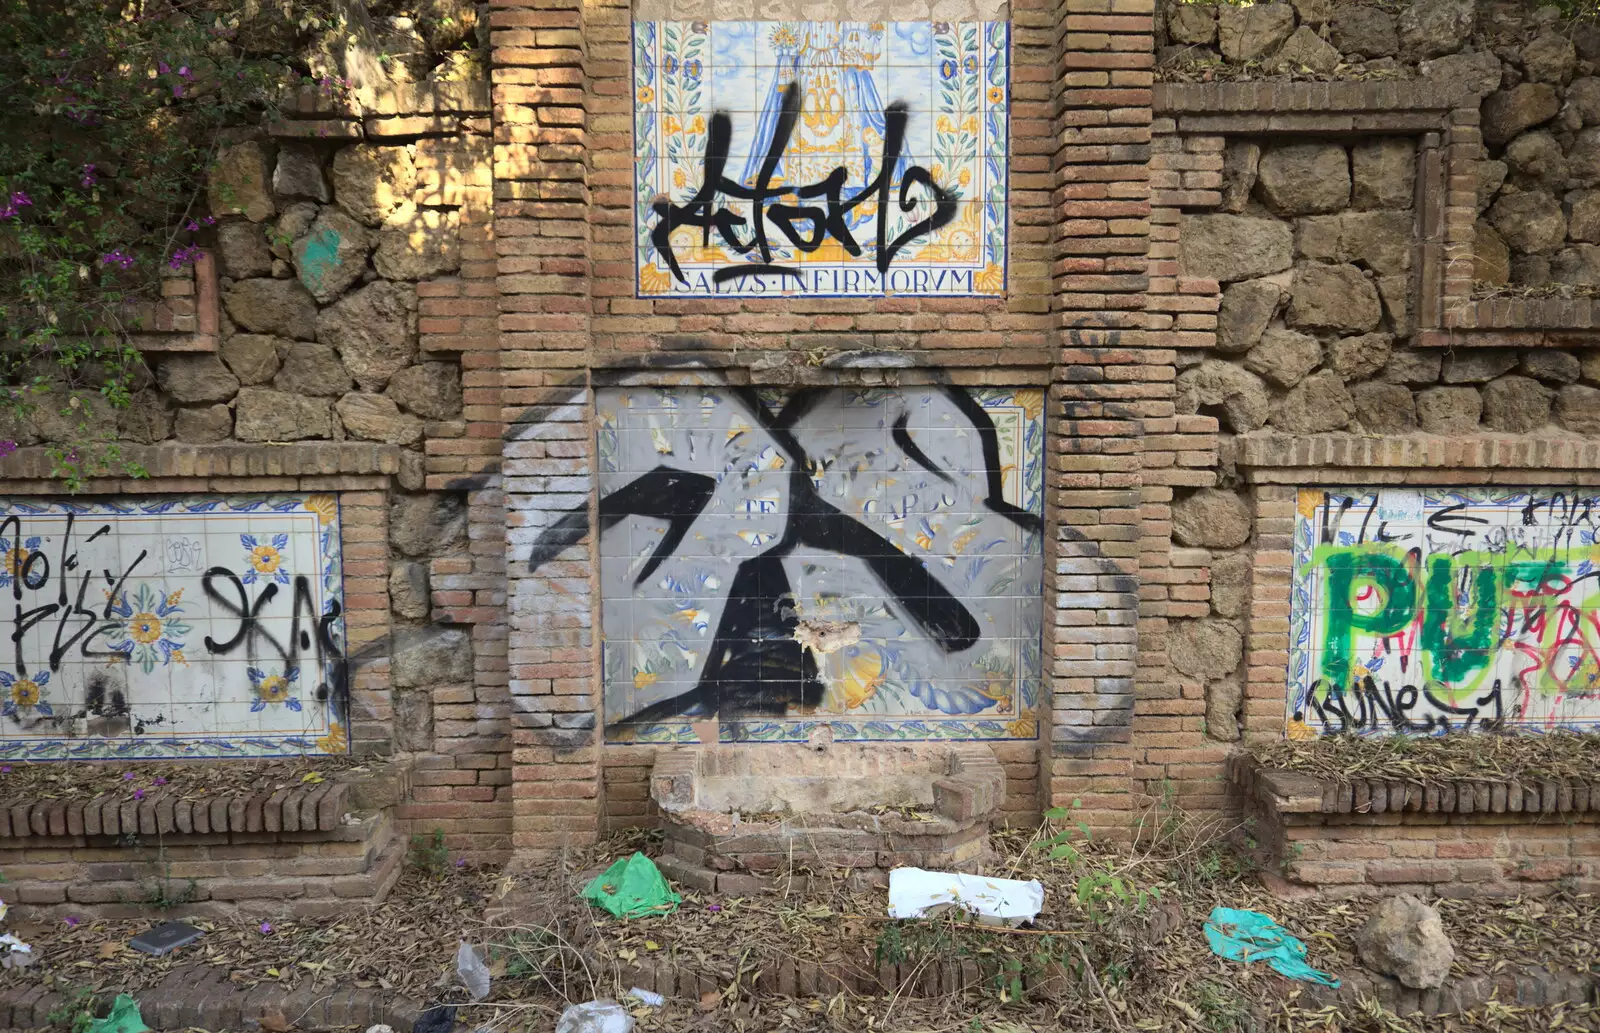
[(745, 819)]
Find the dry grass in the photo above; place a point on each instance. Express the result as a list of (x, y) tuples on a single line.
[(1483, 291), (84, 780), (1122, 965), (1531, 758)]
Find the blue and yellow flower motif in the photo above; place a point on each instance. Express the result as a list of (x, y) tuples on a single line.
[(273, 689), (265, 559), (970, 64), (947, 69), (691, 68), (23, 693), (14, 556), (151, 629)]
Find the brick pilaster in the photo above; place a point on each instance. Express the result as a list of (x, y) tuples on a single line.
[(1103, 391), (542, 244)]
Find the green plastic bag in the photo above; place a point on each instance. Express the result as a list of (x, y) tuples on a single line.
[(124, 1018), (1252, 936), (632, 887)]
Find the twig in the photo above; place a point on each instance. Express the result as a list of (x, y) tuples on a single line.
[(1094, 981)]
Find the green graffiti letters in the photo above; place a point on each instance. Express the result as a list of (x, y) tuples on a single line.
[(1380, 567)]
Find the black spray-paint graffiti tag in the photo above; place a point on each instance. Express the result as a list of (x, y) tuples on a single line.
[(29, 573), (702, 211)]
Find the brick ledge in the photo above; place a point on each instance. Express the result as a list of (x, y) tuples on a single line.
[(1419, 451), (1291, 792), (318, 458), (1320, 98)]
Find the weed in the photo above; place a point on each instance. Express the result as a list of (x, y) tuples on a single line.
[(1222, 1009), (76, 1013), (158, 889), (428, 854)]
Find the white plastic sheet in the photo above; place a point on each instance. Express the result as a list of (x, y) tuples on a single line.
[(595, 1017), (917, 893)]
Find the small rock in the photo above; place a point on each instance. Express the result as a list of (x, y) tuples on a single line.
[(1313, 12), (1212, 519), (1318, 404), (1251, 33), (1491, 259), (332, 255), (374, 330), (1551, 366), (204, 426), (242, 249), (1578, 265), (299, 174), (1583, 216), (1467, 74), (427, 525), (311, 369), (1477, 366), (1194, 24), (418, 244), (261, 414), (1536, 157), (1506, 113), (1230, 585), (1583, 96), (1449, 410), (371, 181), (1239, 393), (1383, 173), (1305, 178), (1383, 408), (1305, 50), (1516, 405), (1530, 221), (1549, 57), (377, 418), (1395, 291), (237, 184), (196, 378), (408, 589), (432, 390), (1382, 240), (1583, 159), (1241, 160), (1333, 297), (1223, 698), (1207, 648), (294, 223), (1578, 408), (1432, 28), (1491, 177), (1284, 357), (147, 419), (253, 358), (1234, 247), (1530, 270), (282, 308), (1355, 358), (1247, 307), (1417, 367), (1368, 31), (1405, 939)]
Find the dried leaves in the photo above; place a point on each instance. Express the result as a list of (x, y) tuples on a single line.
[(1552, 756)]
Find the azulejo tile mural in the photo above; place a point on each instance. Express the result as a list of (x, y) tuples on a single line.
[(195, 626), (1431, 611), (820, 158), (867, 559)]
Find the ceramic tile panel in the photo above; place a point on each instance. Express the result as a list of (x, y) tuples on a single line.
[(194, 626), (820, 158), (866, 559), (1431, 611)]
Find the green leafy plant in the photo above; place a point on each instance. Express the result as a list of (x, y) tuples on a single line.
[(115, 110), (428, 854), (158, 889), (76, 1013)]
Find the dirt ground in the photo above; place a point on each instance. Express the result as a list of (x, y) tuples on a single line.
[(1121, 930)]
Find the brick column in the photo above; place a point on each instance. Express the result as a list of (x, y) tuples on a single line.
[(1099, 400), (542, 241)]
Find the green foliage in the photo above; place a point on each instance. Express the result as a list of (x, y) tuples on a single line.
[(1098, 889), (114, 111), (76, 1013), (1223, 1009), (428, 854)]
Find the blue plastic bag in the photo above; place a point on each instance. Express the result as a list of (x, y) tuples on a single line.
[(1248, 936)]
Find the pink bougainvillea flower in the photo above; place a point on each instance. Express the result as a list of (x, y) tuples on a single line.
[(127, 776), (162, 67), (20, 199), (138, 794), (88, 179), (72, 921), (184, 256), (159, 781), (713, 907), (118, 258), (185, 73), (6, 769), (266, 927)]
